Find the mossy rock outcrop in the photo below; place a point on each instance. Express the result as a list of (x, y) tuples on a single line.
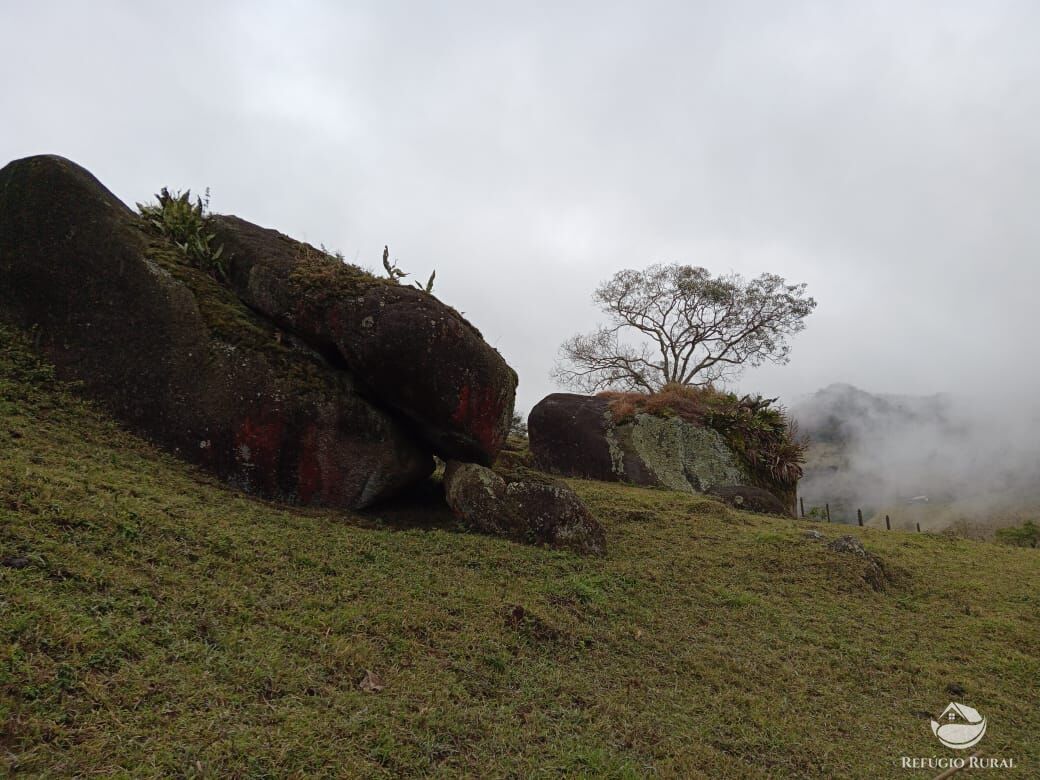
[(413, 353), (578, 435), (178, 357)]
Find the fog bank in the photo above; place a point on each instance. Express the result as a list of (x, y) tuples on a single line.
[(958, 456)]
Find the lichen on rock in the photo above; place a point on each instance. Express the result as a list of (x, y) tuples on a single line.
[(645, 441), (682, 456), (522, 505)]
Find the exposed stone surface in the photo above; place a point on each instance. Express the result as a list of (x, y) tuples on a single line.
[(750, 499), (848, 544), (576, 435), (522, 505), (568, 435), (681, 456), (875, 573), (177, 357), (371, 682), (413, 353)]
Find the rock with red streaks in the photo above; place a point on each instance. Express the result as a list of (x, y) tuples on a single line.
[(176, 355), (413, 353)]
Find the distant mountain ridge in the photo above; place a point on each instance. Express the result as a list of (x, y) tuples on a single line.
[(836, 413)]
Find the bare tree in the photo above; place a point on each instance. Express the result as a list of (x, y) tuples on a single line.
[(686, 327)]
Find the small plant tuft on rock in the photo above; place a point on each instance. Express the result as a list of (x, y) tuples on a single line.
[(396, 274), (186, 223)]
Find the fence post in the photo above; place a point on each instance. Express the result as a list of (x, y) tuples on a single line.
[(801, 503), (888, 523), (918, 528), (859, 516), (828, 506)]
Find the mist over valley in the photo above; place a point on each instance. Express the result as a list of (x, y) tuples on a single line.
[(946, 461)]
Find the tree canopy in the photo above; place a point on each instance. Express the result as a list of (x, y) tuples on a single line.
[(680, 324)]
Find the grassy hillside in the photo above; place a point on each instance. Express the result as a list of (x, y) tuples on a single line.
[(156, 624)]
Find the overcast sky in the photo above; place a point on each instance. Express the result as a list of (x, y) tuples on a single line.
[(888, 154)]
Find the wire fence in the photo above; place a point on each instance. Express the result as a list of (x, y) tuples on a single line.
[(826, 515)]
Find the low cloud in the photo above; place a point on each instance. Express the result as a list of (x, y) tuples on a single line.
[(946, 458)]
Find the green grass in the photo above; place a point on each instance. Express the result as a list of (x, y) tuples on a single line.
[(166, 626)]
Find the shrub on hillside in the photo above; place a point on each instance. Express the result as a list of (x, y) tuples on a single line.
[(1027, 535)]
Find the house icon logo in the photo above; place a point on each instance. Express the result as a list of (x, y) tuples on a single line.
[(959, 726)]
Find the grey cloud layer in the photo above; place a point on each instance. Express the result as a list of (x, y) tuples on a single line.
[(885, 153)]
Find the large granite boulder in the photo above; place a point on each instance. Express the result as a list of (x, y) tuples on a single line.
[(571, 434), (178, 357), (522, 505), (577, 435), (413, 353)]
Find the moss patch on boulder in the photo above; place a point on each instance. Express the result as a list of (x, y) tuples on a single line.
[(765, 442), (174, 355), (523, 505), (682, 455)]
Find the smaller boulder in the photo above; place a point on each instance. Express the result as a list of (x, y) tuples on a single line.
[(813, 534), (749, 499), (875, 572), (848, 544), (522, 505)]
